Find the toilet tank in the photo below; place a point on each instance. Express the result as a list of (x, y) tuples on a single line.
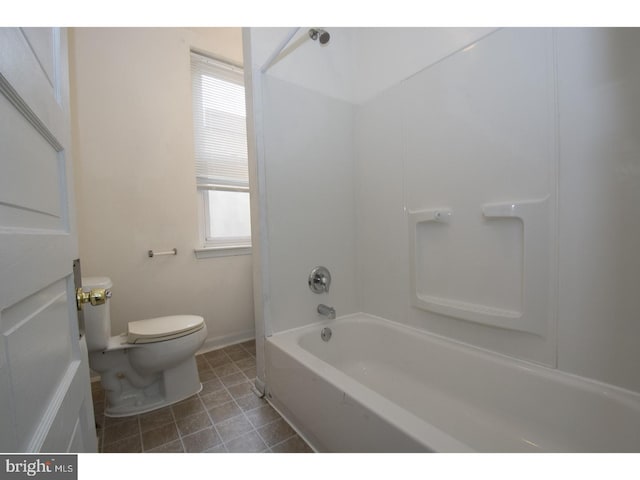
[(97, 319)]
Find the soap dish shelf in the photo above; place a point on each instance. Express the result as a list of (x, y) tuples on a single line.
[(534, 215)]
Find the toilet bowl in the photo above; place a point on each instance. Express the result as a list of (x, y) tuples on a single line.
[(149, 366)]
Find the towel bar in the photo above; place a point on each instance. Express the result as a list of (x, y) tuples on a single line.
[(173, 251)]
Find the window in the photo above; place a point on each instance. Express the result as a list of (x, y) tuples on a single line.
[(222, 178)]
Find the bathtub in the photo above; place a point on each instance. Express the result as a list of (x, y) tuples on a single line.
[(379, 386)]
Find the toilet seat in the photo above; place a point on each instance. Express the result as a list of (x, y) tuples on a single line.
[(163, 328)]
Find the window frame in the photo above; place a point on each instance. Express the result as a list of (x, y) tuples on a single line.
[(244, 241), (217, 249), (210, 246)]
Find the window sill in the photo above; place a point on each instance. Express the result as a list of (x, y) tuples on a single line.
[(212, 252)]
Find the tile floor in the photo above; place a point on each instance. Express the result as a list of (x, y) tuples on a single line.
[(226, 416)]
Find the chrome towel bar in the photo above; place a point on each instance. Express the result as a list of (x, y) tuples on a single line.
[(173, 251)]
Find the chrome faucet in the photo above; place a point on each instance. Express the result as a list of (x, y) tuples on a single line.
[(327, 311)]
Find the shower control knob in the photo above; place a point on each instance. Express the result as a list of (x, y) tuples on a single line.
[(319, 280)]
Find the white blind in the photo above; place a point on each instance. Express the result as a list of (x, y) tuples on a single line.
[(219, 119)]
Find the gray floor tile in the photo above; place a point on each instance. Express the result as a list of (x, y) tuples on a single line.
[(247, 443), (245, 422), (201, 441)]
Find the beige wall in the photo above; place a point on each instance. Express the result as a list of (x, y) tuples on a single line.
[(135, 180)]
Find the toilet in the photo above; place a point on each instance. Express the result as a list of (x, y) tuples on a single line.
[(149, 366)]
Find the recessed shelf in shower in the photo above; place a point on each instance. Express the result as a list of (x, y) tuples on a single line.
[(479, 267)]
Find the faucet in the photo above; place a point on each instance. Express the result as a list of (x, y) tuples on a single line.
[(327, 311)]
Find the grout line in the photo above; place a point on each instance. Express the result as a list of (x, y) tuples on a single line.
[(241, 413), (285, 440), (233, 399), (224, 387), (213, 424), (262, 438), (140, 432), (175, 423), (125, 438)]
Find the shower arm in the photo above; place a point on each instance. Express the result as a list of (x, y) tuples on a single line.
[(279, 50)]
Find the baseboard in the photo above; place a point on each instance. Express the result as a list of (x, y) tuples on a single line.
[(215, 343)]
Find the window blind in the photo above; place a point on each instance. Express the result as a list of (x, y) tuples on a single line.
[(219, 119)]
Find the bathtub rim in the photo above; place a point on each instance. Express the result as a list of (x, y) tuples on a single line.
[(404, 420), (365, 397), (597, 386), (421, 430)]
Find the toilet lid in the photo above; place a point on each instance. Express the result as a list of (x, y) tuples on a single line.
[(163, 328)]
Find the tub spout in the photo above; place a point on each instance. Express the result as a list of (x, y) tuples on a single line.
[(327, 311)]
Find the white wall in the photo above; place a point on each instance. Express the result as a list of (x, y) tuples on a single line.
[(599, 102), (473, 129), (382, 235), (307, 105), (327, 69), (308, 152), (305, 158), (497, 116), (383, 57), (594, 330), (133, 146), (357, 63)]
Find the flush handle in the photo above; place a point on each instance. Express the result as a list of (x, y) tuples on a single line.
[(96, 296)]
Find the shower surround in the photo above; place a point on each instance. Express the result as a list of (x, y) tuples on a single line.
[(476, 187)]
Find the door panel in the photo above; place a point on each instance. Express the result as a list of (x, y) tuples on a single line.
[(8, 437), (28, 159), (45, 397), (42, 315), (41, 41), (70, 431)]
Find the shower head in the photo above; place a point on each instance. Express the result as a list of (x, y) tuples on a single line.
[(319, 34)]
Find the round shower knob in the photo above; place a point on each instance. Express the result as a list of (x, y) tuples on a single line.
[(319, 280)]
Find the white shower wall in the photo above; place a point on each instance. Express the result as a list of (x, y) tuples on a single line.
[(358, 63), (308, 99), (475, 129), (563, 128), (599, 198), (308, 148)]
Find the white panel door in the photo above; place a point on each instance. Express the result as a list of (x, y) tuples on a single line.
[(45, 397)]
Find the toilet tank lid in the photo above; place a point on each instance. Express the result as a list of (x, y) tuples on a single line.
[(163, 327), (96, 282)]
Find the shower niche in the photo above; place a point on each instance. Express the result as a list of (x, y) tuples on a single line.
[(490, 266), (480, 179)]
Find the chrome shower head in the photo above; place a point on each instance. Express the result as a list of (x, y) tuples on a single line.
[(319, 34)]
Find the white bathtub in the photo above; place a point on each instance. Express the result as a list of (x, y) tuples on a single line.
[(379, 386)]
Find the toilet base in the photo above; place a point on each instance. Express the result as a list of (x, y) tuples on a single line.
[(171, 386)]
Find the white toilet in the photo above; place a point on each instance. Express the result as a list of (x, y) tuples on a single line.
[(149, 366)]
